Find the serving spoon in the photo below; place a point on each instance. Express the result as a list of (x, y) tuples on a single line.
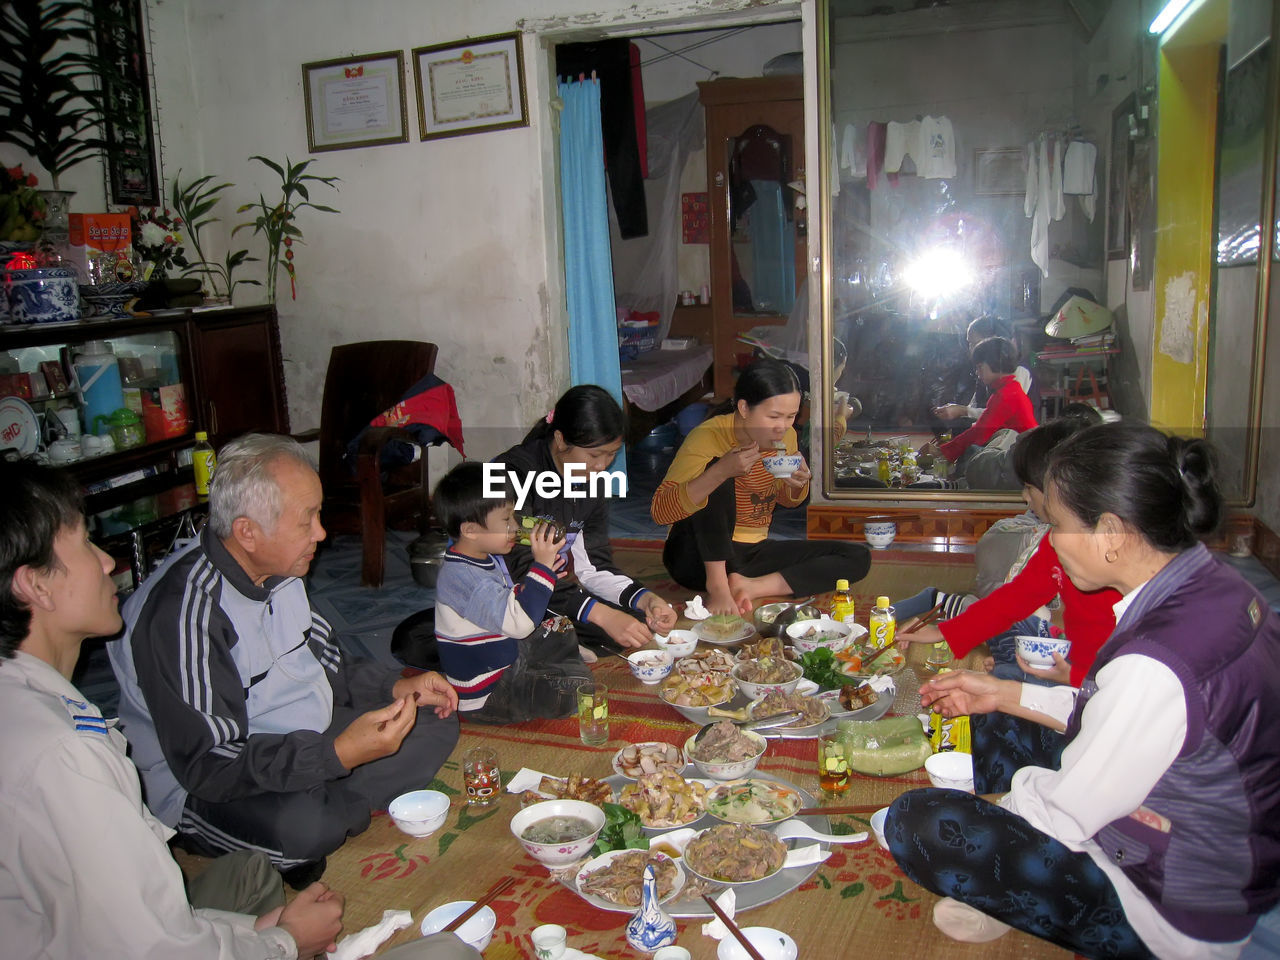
[(791, 829)]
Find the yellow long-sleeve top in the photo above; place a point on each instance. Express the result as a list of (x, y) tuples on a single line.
[(756, 493)]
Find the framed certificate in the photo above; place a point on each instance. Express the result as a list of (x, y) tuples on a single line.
[(470, 86), (355, 102)]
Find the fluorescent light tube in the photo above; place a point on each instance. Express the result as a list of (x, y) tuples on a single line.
[(1166, 16)]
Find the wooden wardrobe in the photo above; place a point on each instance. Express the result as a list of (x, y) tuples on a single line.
[(755, 138)]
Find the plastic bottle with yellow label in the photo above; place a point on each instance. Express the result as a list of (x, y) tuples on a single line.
[(842, 603), (203, 462), (883, 623)]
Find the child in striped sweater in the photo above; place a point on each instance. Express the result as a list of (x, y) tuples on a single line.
[(508, 660)]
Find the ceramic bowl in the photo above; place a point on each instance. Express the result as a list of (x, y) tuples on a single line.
[(679, 643), (1039, 651), (770, 943), (877, 826), (650, 666), (832, 634), (728, 771), (880, 533), (558, 854), (755, 691), (784, 465), (419, 813), (477, 931), (952, 770), (795, 613)]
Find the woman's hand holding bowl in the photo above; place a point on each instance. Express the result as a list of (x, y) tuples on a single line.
[(800, 478), (1060, 672)]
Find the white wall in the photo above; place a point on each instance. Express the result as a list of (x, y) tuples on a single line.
[(455, 240)]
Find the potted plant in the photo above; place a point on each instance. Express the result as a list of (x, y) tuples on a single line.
[(277, 221), (48, 105), (193, 205)]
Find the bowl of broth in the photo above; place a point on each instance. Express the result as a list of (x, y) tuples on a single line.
[(557, 833)]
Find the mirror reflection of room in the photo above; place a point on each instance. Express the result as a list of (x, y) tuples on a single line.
[(971, 202)]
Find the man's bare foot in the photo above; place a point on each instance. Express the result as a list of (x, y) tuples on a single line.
[(722, 601)]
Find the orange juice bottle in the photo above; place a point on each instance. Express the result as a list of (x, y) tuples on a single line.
[(842, 603)]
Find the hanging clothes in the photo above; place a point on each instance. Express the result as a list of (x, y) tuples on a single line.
[(1044, 201), (1079, 175), (900, 141), (937, 157), (876, 134), (611, 61)]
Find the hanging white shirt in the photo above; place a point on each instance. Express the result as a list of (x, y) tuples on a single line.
[(936, 159), (901, 140)]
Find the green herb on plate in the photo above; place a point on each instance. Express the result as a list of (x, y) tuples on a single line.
[(622, 831), (820, 667)]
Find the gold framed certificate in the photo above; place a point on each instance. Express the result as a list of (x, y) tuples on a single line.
[(355, 102), (470, 86)]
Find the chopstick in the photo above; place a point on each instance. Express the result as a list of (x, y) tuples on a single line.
[(732, 927), (467, 914), (820, 811), (889, 518), (927, 618)]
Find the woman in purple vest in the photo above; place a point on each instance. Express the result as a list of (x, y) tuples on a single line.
[(1157, 833)]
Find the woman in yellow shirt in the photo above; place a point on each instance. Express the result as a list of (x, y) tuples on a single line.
[(718, 496)]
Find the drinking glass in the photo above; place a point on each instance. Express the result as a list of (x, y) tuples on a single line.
[(939, 656), (593, 713), (480, 776), (833, 766)]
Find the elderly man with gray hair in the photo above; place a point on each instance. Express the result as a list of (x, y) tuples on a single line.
[(250, 727)]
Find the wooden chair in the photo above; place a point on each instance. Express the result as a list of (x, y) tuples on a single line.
[(362, 381)]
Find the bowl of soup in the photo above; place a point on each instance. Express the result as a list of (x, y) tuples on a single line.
[(557, 833)]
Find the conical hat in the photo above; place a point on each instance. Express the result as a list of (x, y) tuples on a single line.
[(1078, 318)]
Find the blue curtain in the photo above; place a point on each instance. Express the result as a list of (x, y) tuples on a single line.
[(588, 269)]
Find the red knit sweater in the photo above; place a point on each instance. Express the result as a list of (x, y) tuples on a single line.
[(1088, 618), (1008, 407)]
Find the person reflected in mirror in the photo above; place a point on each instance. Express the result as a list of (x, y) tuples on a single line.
[(84, 866), (719, 495), (609, 610), (994, 360), (979, 329)]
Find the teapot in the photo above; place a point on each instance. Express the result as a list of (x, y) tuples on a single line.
[(125, 427)]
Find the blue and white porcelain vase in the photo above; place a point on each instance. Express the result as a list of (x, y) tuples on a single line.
[(651, 927), (42, 295)]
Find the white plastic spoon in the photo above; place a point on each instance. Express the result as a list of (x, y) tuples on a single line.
[(794, 828)]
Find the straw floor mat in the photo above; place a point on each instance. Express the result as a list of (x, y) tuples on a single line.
[(858, 904)]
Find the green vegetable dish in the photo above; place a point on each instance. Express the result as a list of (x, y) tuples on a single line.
[(622, 831), (821, 667)]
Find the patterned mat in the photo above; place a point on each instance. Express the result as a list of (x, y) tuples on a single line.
[(857, 902)]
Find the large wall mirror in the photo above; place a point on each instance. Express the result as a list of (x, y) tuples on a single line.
[(996, 161)]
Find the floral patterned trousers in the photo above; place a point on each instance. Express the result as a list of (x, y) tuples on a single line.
[(960, 846)]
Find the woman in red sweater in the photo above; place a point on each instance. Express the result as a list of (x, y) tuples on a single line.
[(994, 360), (1087, 618)]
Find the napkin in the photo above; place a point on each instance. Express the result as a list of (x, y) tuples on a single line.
[(362, 944), (803, 856), (695, 610), (525, 779), (883, 685), (715, 928)]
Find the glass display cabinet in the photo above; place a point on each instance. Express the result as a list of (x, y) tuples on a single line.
[(118, 403)]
